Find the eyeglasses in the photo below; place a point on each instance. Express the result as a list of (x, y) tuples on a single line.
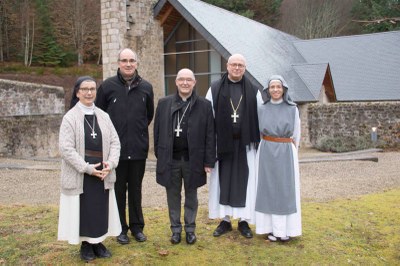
[(125, 61), (86, 90), (188, 80), (236, 65)]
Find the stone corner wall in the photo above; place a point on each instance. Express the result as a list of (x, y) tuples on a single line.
[(30, 118)]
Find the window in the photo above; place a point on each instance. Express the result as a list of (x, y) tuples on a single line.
[(186, 48)]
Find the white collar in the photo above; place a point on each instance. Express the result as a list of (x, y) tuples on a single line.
[(276, 101), (87, 110)]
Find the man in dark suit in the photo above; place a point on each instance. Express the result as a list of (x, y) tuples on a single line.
[(184, 144), (128, 99)]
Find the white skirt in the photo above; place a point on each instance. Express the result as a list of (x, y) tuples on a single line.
[(68, 221), (217, 210)]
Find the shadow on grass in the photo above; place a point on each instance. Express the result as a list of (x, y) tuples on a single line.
[(361, 231)]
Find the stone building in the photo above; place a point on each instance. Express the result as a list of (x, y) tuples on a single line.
[(171, 34)]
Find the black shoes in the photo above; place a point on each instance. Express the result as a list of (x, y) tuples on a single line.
[(190, 238), (222, 228), (139, 236), (101, 251), (176, 238), (123, 239), (87, 253), (244, 229), (90, 251)]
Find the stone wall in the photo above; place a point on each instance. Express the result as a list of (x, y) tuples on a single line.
[(355, 119), (145, 37), (29, 136), (30, 118), (131, 24), (21, 98)]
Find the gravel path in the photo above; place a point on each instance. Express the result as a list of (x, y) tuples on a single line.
[(322, 181)]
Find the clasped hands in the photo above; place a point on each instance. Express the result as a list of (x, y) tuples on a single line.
[(103, 172)]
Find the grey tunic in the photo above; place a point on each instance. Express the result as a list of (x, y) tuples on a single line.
[(276, 183)]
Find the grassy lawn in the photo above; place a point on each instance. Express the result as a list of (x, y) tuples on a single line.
[(361, 231)]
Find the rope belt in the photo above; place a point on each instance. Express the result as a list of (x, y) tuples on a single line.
[(97, 154), (275, 139)]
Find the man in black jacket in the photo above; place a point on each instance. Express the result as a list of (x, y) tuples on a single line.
[(129, 100), (184, 144)]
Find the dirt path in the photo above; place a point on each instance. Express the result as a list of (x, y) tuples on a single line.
[(320, 181)]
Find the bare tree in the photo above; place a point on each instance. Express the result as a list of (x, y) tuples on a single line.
[(77, 23), (310, 19), (27, 30)]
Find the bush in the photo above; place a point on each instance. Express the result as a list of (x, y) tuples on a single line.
[(345, 143)]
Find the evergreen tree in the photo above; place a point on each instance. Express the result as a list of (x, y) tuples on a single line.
[(47, 52), (377, 15)]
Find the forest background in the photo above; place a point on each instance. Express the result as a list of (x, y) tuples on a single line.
[(64, 33)]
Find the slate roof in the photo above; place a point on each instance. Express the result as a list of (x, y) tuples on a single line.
[(268, 51), (313, 76), (363, 67)]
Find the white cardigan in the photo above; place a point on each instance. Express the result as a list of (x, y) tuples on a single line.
[(72, 150)]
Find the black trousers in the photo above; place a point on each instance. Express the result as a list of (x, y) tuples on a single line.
[(181, 170), (129, 177)]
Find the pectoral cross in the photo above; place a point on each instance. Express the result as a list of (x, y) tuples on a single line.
[(93, 134), (178, 130), (234, 116)]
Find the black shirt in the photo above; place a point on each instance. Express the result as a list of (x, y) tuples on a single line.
[(181, 148)]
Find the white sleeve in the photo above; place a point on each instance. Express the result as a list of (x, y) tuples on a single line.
[(259, 99), (209, 97)]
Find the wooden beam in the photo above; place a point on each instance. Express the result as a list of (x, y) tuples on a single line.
[(166, 15)]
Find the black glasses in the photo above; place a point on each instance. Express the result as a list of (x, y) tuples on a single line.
[(126, 61)]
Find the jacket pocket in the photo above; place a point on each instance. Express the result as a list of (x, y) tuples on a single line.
[(162, 159), (70, 182)]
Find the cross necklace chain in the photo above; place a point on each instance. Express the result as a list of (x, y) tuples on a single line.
[(235, 114), (93, 134), (178, 128)]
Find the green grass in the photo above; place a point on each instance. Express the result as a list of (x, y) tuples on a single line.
[(18, 68), (360, 231)]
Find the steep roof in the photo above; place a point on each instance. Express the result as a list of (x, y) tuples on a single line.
[(268, 51), (312, 75), (363, 67)]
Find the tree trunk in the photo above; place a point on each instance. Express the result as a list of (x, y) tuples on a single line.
[(33, 39), (100, 55)]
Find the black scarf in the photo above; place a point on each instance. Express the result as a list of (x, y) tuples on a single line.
[(249, 130)]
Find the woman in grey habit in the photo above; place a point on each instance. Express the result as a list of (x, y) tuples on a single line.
[(278, 212)]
